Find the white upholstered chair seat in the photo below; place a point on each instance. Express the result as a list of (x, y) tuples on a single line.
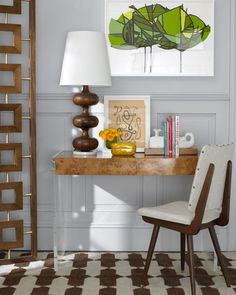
[(177, 212)]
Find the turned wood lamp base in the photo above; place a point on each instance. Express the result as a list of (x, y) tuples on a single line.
[(85, 145)]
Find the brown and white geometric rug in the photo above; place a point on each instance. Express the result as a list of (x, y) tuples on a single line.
[(115, 274)]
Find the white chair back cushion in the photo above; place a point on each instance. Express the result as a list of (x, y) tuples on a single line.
[(219, 156)]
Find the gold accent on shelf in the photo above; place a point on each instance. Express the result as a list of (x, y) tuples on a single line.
[(28, 195), (123, 149), (28, 232), (7, 177), (26, 157), (6, 18)]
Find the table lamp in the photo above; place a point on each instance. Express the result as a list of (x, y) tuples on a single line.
[(85, 64)]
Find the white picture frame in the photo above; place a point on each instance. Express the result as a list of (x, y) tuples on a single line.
[(131, 114), (195, 61)]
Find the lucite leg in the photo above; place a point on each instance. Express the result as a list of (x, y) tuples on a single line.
[(58, 220)]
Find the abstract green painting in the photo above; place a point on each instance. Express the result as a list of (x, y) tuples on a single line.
[(149, 38)]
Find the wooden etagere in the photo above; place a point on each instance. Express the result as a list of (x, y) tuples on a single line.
[(12, 90)]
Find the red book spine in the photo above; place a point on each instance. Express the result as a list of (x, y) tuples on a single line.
[(168, 137), (177, 136)]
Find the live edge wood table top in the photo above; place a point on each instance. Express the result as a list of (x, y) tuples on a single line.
[(139, 165)]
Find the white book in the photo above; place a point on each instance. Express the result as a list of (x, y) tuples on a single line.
[(177, 136), (173, 136)]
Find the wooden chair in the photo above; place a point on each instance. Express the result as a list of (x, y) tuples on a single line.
[(208, 205)]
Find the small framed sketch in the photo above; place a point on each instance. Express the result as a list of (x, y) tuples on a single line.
[(130, 114)]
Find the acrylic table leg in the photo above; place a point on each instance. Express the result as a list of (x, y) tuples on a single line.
[(55, 195), (58, 220)]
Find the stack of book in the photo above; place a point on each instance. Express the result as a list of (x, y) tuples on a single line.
[(171, 136), (171, 141)]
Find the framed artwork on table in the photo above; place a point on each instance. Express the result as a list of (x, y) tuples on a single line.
[(130, 114), (160, 38)]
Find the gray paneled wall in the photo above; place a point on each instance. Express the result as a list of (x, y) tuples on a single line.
[(100, 212)]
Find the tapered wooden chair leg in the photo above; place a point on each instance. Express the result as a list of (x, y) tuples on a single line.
[(182, 250), (191, 263), (151, 247), (219, 254)]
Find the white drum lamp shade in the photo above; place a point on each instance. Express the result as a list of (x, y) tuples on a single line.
[(85, 64), (85, 60)]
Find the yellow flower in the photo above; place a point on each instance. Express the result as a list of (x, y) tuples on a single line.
[(110, 134), (110, 137)]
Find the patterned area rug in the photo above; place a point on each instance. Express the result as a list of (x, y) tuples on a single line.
[(115, 274)]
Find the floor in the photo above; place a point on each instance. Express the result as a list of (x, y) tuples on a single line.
[(115, 274)]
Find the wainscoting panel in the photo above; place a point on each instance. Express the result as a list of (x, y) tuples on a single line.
[(115, 193)]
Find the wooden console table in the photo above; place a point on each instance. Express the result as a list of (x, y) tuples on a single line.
[(139, 165), (104, 164)]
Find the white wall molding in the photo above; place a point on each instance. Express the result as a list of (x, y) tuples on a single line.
[(204, 96), (184, 96)]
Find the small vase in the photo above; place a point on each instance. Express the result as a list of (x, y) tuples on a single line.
[(109, 143)]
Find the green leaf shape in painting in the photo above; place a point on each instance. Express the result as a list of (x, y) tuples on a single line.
[(205, 32), (147, 17), (116, 33), (185, 30), (140, 18), (164, 43), (156, 25), (128, 15), (131, 35), (201, 26), (171, 21), (137, 28)]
